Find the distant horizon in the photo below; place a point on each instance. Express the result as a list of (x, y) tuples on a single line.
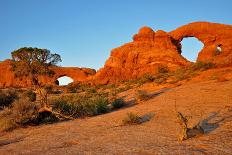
[(84, 32)]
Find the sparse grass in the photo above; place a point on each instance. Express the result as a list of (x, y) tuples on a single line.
[(141, 95), (131, 119), (30, 94), (201, 66), (118, 103), (161, 78), (186, 73), (22, 112), (7, 97)]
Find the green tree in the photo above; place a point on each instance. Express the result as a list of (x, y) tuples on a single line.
[(32, 62)]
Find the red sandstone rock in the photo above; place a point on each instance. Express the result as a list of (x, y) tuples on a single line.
[(148, 50), (7, 78), (144, 54), (211, 35)]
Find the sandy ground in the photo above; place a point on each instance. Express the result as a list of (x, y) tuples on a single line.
[(209, 100)]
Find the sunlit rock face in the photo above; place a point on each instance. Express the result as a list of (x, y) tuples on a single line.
[(8, 79), (148, 50), (214, 36)]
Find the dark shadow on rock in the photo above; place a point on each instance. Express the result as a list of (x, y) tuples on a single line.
[(146, 118), (10, 141), (214, 120), (159, 92)]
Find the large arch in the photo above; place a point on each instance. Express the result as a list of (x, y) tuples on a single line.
[(190, 48), (212, 35)]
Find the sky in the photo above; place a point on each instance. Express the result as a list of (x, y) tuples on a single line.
[(84, 32)]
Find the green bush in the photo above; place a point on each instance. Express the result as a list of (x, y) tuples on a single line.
[(62, 106), (7, 97), (118, 103), (80, 106), (131, 119), (100, 105)]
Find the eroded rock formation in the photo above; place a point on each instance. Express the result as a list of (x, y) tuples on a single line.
[(212, 35), (144, 54), (149, 49), (8, 79)]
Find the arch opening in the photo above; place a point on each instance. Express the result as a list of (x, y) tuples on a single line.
[(191, 47), (64, 81)]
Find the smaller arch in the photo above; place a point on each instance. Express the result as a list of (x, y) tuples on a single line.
[(63, 80)]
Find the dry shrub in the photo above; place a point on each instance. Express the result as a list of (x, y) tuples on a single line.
[(132, 119), (162, 69), (7, 97), (186, 131), (141, 95), (30, 94), (21, 113), (118, 103)]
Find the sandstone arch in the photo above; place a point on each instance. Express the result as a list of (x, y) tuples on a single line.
[(64, 80), (7, 78), (190, 48), (211, 35)]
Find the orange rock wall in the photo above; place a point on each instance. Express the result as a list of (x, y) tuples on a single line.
[(149, 49), (211, 35), (7, 78)]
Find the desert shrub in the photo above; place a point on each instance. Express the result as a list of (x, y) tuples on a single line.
[(109, 86), (118, 103), (72, 87), (91, 90), (49, 89), (31, 95), (62, 106), (21, 113), (100, 105), (161, 78), (162, 69), (7, 97), (201, 66), (80, 106), (141, 95), (183, 74), (131, 119)]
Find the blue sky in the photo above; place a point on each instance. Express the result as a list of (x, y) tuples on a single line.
[(83, 32)]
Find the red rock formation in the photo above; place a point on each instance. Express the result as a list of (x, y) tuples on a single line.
[(7, 78), (144, 54), (148, 50), (211, 35)]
